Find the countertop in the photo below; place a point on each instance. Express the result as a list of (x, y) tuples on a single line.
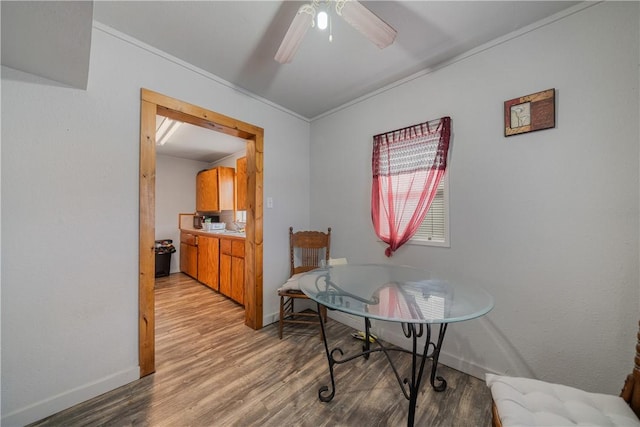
[(216, 233)]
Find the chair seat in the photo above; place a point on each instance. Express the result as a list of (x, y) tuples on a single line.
[(292, 284), (529, 402)]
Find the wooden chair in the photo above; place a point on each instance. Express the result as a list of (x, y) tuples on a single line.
[(306, 250), (523, 401)]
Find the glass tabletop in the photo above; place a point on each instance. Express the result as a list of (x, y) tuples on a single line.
[(394, 293)]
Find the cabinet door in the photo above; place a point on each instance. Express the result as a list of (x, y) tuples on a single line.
[(232, 269), (189, 260), (226, 188), (237, 271), (225, 275), (241, 184), (183, 257), (207, 191), (237, 279), (208, 260), (225, 267)]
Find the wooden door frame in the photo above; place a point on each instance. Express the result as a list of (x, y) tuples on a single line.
[(151, 104)]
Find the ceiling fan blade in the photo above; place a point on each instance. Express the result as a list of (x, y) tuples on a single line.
[(298, 28), (365, 21)]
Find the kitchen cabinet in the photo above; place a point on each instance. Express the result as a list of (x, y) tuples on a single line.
[(189, 254), (215, 189), (208, 261), (215, 261), (232, 269), (241, 184)]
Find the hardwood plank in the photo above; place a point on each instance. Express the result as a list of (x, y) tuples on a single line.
[(212, 370)]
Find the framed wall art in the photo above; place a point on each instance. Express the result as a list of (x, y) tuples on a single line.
[(530, 113)]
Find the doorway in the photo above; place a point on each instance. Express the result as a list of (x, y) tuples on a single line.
[(152, 104)]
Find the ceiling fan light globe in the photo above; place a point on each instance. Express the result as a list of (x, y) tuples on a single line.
[(357, 15), (322, 20)]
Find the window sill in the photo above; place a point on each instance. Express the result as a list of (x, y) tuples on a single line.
[(429, 243), (424, 243)]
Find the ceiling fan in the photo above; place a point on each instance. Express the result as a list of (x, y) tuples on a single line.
[(358, 16)]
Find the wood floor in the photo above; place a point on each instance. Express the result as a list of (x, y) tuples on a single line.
[(211, 370)]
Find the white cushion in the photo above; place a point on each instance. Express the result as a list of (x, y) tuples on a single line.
[(528, 402), (292, 284)]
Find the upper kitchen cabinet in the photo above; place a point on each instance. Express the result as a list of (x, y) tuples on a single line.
[(241, 185), (215, 189)]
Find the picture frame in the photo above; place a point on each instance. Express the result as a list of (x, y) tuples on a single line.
[(530, 113)]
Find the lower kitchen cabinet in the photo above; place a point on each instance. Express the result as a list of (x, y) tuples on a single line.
[(216, 262), (208, 258), (189, 254), (232, 269)]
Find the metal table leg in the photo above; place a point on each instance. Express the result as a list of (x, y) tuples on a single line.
[(410, 387)]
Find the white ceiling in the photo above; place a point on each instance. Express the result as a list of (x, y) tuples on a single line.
[(237, 40), (198, 143)]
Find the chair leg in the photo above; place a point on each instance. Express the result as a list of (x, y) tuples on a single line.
[(287, 309), (496, 422), (281, 316)]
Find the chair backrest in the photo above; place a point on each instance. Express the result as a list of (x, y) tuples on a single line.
[(631, 390), (307, 249)]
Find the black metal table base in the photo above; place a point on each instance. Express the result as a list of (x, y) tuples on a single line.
[(410, 386)]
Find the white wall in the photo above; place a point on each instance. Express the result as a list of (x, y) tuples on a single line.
[(547, 222), (175, 194), (566, 298), (230, 160), (70, 218)]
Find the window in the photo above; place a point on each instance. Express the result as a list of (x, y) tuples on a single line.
[(408, 166), (434, 230), (241, 216)]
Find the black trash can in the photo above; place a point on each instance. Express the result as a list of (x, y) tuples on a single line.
[(164, 249)]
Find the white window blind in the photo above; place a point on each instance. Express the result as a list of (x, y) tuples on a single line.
[(434, 227)]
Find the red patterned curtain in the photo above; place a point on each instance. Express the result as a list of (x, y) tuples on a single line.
[(408, 165)]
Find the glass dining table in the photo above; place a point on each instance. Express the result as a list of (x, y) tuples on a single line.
[(406, 295)]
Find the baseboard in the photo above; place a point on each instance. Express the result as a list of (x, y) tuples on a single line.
[(270, 318), (55, 404), (352, 321)]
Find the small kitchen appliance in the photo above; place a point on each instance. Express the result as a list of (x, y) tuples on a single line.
[(198, 220)]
